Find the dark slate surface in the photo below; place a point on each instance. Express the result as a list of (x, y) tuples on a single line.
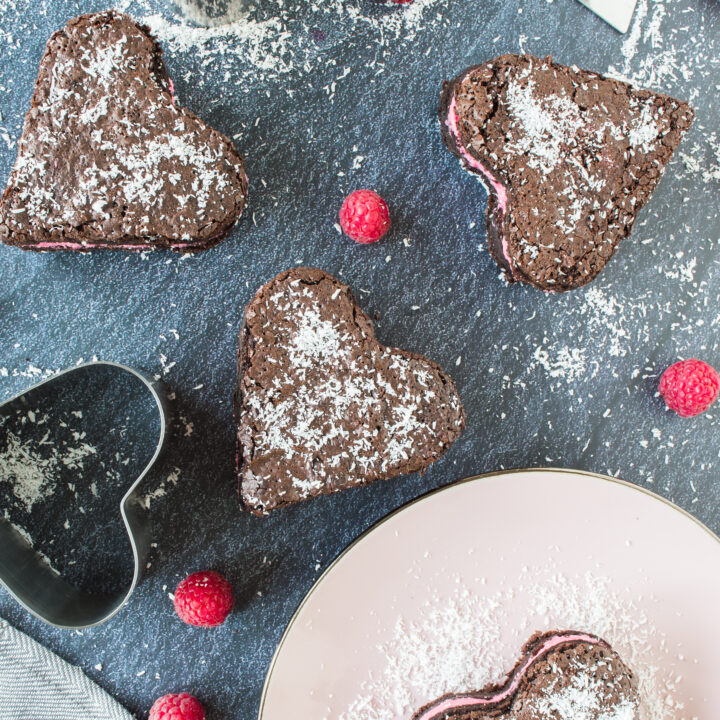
[(566, 381)]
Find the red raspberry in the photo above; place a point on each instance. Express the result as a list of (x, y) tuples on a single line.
[(204, 599), (177, 707), (689, 387), (364, 216)]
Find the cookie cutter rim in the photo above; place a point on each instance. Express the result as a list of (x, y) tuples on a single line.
[(136, 525)]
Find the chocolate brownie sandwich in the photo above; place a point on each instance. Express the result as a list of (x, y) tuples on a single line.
[(568, 158), (108, 160), (560, 676), (321, 405)]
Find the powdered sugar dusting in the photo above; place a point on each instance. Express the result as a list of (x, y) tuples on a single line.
[(568, 363), (574, 356)]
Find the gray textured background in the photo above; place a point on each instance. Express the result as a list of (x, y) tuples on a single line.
[(566, 381)]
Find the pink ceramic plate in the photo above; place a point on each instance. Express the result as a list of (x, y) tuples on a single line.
[(440, 596)]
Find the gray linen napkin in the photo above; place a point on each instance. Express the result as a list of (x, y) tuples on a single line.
[(36, 684)]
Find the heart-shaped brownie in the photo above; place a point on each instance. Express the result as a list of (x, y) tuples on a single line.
[(560, 676), (321, 405), (106, 158), (74, 450), (568, 157)]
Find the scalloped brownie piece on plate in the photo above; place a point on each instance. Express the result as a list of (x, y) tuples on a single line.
[(561, 676), (568, 157), (321, 405), (108, 160)]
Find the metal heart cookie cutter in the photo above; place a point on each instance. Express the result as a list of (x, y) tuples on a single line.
[(73, 451)]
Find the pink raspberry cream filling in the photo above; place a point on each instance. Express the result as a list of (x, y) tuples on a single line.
[(452, 125), (91, 246)]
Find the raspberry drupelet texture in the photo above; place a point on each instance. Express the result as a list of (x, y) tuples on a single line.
[(177, 707), (689, 387), (204, 599), (364, 216)]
